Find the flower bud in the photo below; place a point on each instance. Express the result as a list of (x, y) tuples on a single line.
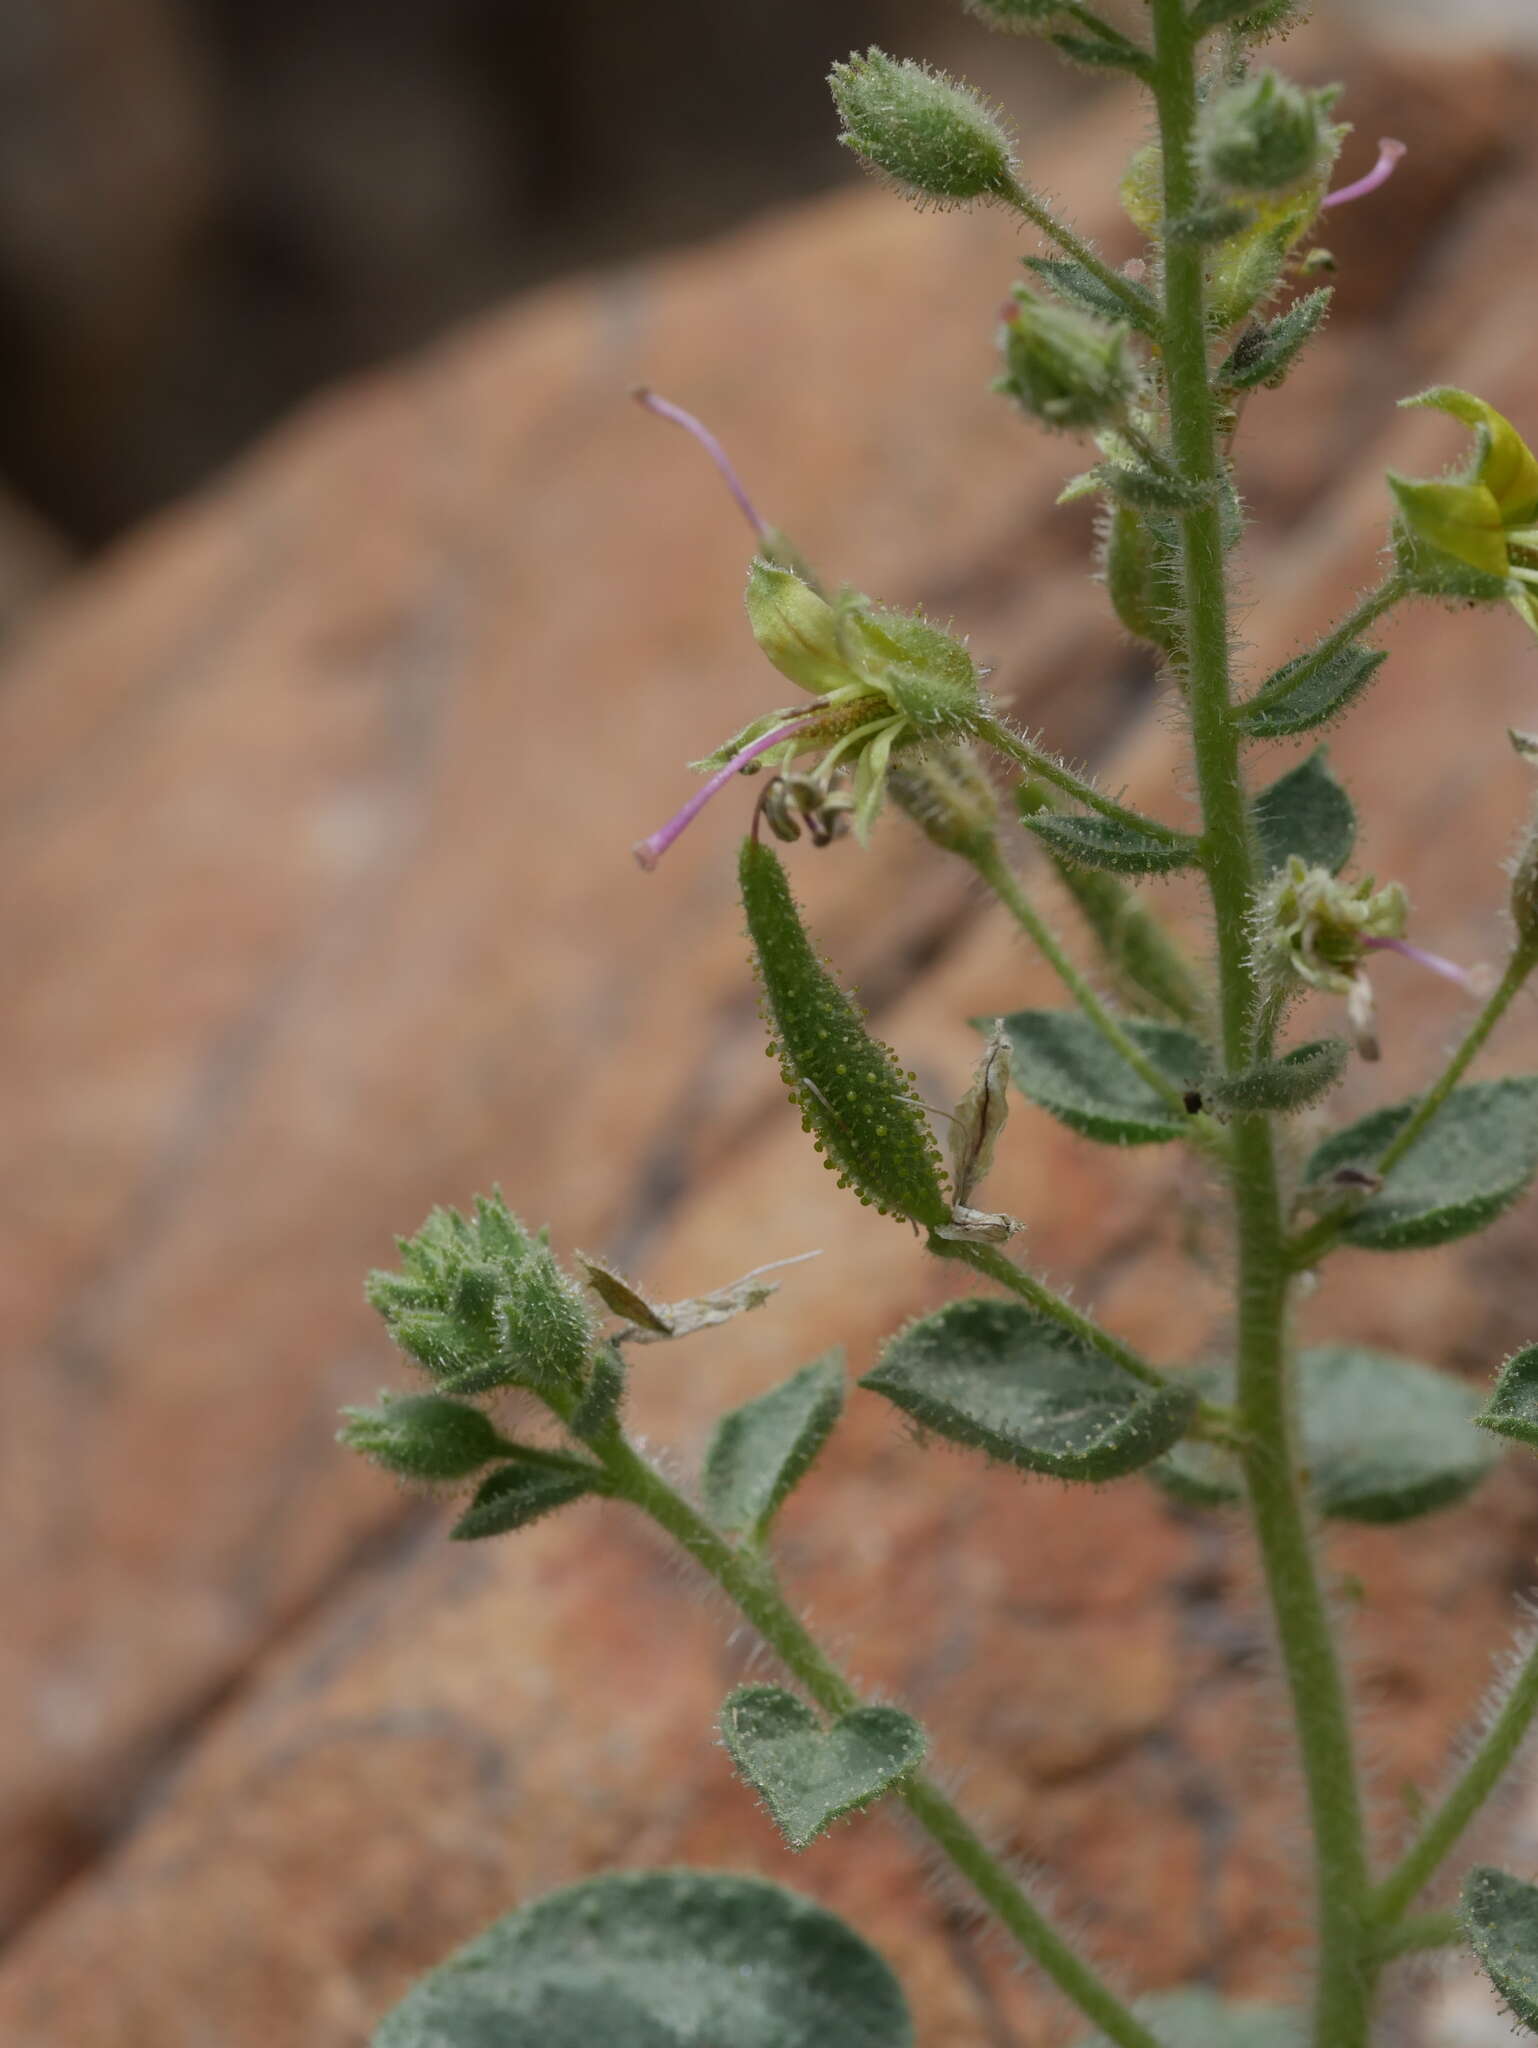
[(423, 1436), (935, 138), (797, 629), (947, 795), (1264, 135), (1063, 367)]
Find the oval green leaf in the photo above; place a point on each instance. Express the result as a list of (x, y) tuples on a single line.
[(1097, 842), (1383, 1439), (1309, 692), (759, 1452), (515, 1495), (999, 1378), (1297, 1079), (808, 1775), (1201, 2019), (1513, 1409), (1064, 1064), (658, 1959), (1307, 813), (1501, 1914), (1473, 1162)]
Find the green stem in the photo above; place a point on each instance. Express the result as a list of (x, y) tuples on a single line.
[(996, 872), (1372, 607), (1343, 1994), (996, 734), (1040, 215), (1485, 1768), (1414, 1937), (749, 1583), (1310, 1246)]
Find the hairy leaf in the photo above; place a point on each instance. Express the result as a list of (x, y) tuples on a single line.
[(1513, 1409), (1501, 1914), (1470, 1166), (1267, 354), (1097, 842), (853, 1097), (1080, 287), (808, 1775), (658, 1959), (1307, 813), (1294, 1081), (517, 1494), (1383, 1439), (999, 1378), (763, 1450), (1309, 692), (1063, 1063)]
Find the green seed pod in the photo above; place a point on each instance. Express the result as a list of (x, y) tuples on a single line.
[(947, 795), (854, 1098), (934, 138), (1140, 572), (423, 1436), (1264, 135), (1063, 367)]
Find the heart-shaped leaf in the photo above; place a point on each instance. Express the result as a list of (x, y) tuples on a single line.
[(1473, 1162), (1200, 2019), (1063, 1063), (1290, 1083), (1513, 1409), (1097, 842), (515, 1495), (658, 1959), (999, 1378), (760, 1451), (808, 1775), (1310, 691), (1383, 1439), (1501, 1914), (1307, 813)]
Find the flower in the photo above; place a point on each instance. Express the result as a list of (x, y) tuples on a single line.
[(1313, 928), (1474, 535), (1389, 155)]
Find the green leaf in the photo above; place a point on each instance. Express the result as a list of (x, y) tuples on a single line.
[(1063, 1063), (1383, 1440), (1080, 287), (1291, 1083), (1501, 1914), (1473, 1162), (517, 1494), (764, 1449), (1309, 692), (658, 1959), (853, 1096), (1265, 355), (1097, 842), (1200, 2019), (1513, 1409), (808, 1775), (999, 1378), (1307, 813)]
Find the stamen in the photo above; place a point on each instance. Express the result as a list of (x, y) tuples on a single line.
[(665, 409), (1449, 970), (649, 851), (1389, 153)]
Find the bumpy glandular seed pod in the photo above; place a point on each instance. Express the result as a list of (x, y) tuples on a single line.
[(933, 137), (1263, 135), (854, 1098)]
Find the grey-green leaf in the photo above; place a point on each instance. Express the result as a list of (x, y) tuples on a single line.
[(1307, 813), (1080, 287), (808, 1775), (1310, 691), (1467, 1168), (1501, 1914), (1384, 1439), (1513, 1409), (1267, 354), (1297, 1079), (658, 1959), (999, 1378), (1063, 1063), (1201, 2019), (764, 1449), (1097, 842), (517, 1494)]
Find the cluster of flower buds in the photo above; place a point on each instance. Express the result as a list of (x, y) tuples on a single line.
[(1473, 535)]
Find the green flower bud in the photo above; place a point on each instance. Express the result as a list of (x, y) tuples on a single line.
[(947, 795), (1063, 367), (1264, 135), (797, 629), (934, 138), (423, 1436)]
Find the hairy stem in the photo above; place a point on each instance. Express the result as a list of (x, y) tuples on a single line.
[(997, 735), (1414, 1937), (1482, 1774), (984, 1259), (1372, 607), (1040, 215), (1344, 1987), (749, 1583)]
